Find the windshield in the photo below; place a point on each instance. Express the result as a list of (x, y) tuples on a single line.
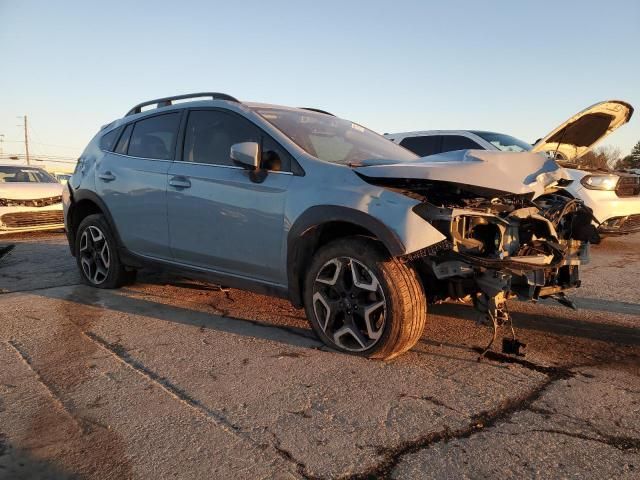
[(333, 139), (506, 143), (10, 174)]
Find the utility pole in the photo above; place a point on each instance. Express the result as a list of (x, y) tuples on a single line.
[(26, 140)]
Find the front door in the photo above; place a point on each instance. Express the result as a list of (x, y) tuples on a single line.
[(219, 218)]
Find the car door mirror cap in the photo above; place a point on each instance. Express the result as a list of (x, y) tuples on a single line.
[(246, 155)]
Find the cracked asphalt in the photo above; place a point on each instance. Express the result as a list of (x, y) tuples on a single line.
[(171, 378)]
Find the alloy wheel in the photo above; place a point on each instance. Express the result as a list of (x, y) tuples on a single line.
[(349, 304), (95, 257)]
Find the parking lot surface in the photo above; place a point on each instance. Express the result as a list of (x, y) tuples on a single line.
[(171, 378)]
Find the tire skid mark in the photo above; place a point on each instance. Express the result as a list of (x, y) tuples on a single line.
[(19, 350)]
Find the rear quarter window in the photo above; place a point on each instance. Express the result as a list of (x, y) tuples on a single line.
[(108, 140)]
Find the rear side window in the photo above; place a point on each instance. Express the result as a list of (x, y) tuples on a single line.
[(108, 140), (155, 137), (458, 142), (123, 143), (423, 146)]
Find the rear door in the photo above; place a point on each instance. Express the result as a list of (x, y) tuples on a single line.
[(132, 181), (218, 218)]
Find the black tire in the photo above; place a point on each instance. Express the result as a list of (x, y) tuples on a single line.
[(402, 320), (116, 273)]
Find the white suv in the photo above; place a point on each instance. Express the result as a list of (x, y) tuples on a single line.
[(614, 197)]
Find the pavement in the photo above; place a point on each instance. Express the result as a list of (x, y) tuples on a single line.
[(171, 378)]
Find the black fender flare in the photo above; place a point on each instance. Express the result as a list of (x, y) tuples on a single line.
[(78, 196), (317, 216)]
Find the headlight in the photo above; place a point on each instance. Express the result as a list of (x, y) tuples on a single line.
[(600, 182)]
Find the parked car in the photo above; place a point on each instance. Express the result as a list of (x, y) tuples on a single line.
[(301, 204), (30, 199), (62, 177), (614, 197)]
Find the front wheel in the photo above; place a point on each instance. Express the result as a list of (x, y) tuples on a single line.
[(361, 301)]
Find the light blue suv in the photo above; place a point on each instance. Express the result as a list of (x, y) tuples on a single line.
[(301, 204)]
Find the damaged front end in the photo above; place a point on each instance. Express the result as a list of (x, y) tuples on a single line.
[(499, 244), (507, 246)]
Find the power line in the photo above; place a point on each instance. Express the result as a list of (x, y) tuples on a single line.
[(22, 157)]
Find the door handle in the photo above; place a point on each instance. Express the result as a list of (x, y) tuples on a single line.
[(180, 182), (107, 176)]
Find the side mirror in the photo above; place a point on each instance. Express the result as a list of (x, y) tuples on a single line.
[(246, 155)]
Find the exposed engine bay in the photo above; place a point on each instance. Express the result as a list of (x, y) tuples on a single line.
[(499, 245)]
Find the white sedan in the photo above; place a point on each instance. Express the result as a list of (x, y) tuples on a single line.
[(30, 199)]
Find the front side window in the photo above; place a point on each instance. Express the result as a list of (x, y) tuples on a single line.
[(503, 142), (211, 133), (451, 143), (423, 146), (155, 137), (11, 174), (333, 139)]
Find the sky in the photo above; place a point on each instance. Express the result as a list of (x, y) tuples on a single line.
[(517, 67)]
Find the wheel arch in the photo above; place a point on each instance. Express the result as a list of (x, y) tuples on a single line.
[(85, 203), (322, 224)]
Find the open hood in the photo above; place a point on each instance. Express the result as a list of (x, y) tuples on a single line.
[(508, 172), (580, 133)]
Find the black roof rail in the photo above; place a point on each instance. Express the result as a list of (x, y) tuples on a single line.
[(317, 110), (167, 101)]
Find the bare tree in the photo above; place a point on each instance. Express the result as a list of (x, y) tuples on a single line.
[(601, 158)]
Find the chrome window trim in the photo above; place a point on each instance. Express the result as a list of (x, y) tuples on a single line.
[(192, 163)]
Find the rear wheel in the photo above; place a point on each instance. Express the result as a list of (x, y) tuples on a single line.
[(361, 301), (97, 255)]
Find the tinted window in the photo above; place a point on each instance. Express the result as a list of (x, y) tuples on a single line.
[(210, 134), (10, 174), (423, 146), (506, 143), (123, 143), (109, 139), (458, 142), (332, 139), (155, 137)]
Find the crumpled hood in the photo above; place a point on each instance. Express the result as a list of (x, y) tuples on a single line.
[(515, 173), (30, 190)]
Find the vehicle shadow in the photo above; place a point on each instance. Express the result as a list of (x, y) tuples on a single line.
[(119, 302), (19, 464), (571, 327)]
